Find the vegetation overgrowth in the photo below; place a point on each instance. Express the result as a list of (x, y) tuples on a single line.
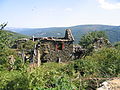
[(83, 74)]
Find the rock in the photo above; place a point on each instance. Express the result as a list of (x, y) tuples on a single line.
[(113, 84)]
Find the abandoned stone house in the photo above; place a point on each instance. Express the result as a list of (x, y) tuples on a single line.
[(56, 49), (52, 48)]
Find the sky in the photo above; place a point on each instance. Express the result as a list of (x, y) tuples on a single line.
[(59, 13)]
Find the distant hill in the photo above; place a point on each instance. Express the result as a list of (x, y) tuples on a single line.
[(113, 32), (16, 35)]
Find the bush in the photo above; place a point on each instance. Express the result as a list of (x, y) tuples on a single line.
[(103, 63), (13, 80), (47, 77), (117, 45), (87, 39)]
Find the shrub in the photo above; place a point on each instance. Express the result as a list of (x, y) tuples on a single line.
[(103, 63)]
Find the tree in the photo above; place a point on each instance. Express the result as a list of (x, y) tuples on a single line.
[(2, 26), (93, 40), (88, 39), (6, 38), (5, 50)]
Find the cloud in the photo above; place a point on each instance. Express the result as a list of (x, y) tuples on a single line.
[(68, 9), (108, 6)]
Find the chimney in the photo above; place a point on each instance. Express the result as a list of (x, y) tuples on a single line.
[(68, 35)]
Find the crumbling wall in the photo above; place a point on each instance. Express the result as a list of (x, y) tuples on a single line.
[(51, 51)]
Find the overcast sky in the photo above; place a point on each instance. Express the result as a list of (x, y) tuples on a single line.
[(57, 13)]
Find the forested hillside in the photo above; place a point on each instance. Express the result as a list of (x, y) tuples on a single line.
[(113, 32)]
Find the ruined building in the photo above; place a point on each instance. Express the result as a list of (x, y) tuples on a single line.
[(56, 49), (52, 49)]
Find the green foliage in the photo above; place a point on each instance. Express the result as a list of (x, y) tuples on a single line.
[(4, 53), (46, 77), (4, 59), (105, 61), (5, 38), (108, 59), (13, 80), (117, 45), (87, 39), (4, 46), (8, 38), (28, 45), (49, 76), (73, 75), (101, 64)]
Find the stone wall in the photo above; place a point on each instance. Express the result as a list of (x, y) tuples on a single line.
[(52, 51)]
